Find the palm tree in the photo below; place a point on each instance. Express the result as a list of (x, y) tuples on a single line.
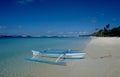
[(108, 26), (106, 30)]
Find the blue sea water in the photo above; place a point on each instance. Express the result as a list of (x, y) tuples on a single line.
[(14, 50)]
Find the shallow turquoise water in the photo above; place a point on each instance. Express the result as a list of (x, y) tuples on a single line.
[(14, 50)]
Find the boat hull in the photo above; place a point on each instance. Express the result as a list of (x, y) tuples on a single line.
[(67, 55)]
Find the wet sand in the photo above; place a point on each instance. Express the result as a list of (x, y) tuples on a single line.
[(102, 60)]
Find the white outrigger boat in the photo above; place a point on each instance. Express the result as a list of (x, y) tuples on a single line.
[(60, 55)]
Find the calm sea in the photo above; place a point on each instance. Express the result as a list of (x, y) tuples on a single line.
[(14, 50)]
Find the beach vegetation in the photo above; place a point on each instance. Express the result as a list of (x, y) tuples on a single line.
[(107, 32)]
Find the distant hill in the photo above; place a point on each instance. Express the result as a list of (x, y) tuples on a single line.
[(14, 36), (20, 36)]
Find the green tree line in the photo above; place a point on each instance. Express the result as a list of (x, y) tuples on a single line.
[(107, 32)]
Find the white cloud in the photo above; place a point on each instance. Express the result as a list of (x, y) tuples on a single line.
[(19, 27), (102, 14), (82, 33), (25, 1), (70, 32), (3, 27), (94, 20), (114, 19), (73, 33), (49, 32), (61, 33)]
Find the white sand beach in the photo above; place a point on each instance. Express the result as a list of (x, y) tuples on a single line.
[(102, 60)]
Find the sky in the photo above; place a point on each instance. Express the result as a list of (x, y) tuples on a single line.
[(57, 17)]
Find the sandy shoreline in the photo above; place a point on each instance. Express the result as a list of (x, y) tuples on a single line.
[(102, 60)]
